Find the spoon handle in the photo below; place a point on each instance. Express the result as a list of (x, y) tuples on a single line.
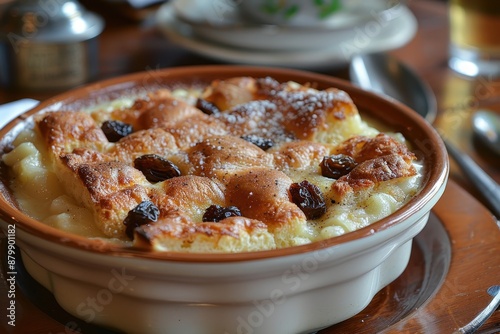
[(481, 318), (488, 188)]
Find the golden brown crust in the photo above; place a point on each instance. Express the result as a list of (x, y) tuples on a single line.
[(81, 156), (150, 141), (222, 156), (234, 234), (166, 111), (191, 130), (110, 189), (187, 195), (363, 148), (299, 155), (63, 131), (111, 210), (217, 166), (260, 117), (262, 194), (131, 115), (371, 173), (229, 93), (307, 111), (105, 178)]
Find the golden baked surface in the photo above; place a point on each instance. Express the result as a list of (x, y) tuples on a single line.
[(243, 164)]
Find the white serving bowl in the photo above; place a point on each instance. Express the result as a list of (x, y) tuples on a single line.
[(293, 290), (236, 28), (311, 13)]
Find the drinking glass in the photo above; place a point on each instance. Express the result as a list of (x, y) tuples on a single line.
[(475, 37)]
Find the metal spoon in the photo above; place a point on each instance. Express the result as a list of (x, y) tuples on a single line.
[(486, 125), (385, 75), (481, 318)]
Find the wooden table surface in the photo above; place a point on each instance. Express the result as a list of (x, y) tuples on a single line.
[(132, 44)]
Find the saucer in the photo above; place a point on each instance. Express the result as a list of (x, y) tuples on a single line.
[(226, 24), (367, 38)]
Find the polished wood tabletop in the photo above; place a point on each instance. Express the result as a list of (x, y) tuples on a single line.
[(131, 42)]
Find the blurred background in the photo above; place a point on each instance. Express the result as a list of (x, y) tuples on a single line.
[(142, 35)]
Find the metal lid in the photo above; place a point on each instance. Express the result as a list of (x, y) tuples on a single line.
[(51, 21)]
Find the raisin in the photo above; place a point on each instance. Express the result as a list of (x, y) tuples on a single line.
[(335, 166), (215, 213), (156, 168), (144, 213), (116, 130), (263, 143), (207, 107), (308, 198)]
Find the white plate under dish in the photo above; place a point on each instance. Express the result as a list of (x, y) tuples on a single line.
[(370, 37), (11, 110), (227, 25)]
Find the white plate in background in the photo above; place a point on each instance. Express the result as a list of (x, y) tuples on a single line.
[(226, 24), (371, 37)]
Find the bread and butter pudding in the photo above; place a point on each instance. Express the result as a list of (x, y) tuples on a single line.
[(169, 179), (242, 164)]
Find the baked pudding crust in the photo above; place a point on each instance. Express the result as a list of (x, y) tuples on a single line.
[(218, 167)]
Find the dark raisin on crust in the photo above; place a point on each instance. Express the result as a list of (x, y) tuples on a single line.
[(116, 130), (335, 166), (144, 213), (207, 107), (156, 168), (215, 213), (308, 198), (263, 143)]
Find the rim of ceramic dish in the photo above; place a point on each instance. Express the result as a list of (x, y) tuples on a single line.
[(425, 141)]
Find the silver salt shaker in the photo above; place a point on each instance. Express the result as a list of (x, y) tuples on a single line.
[(48, 44)]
